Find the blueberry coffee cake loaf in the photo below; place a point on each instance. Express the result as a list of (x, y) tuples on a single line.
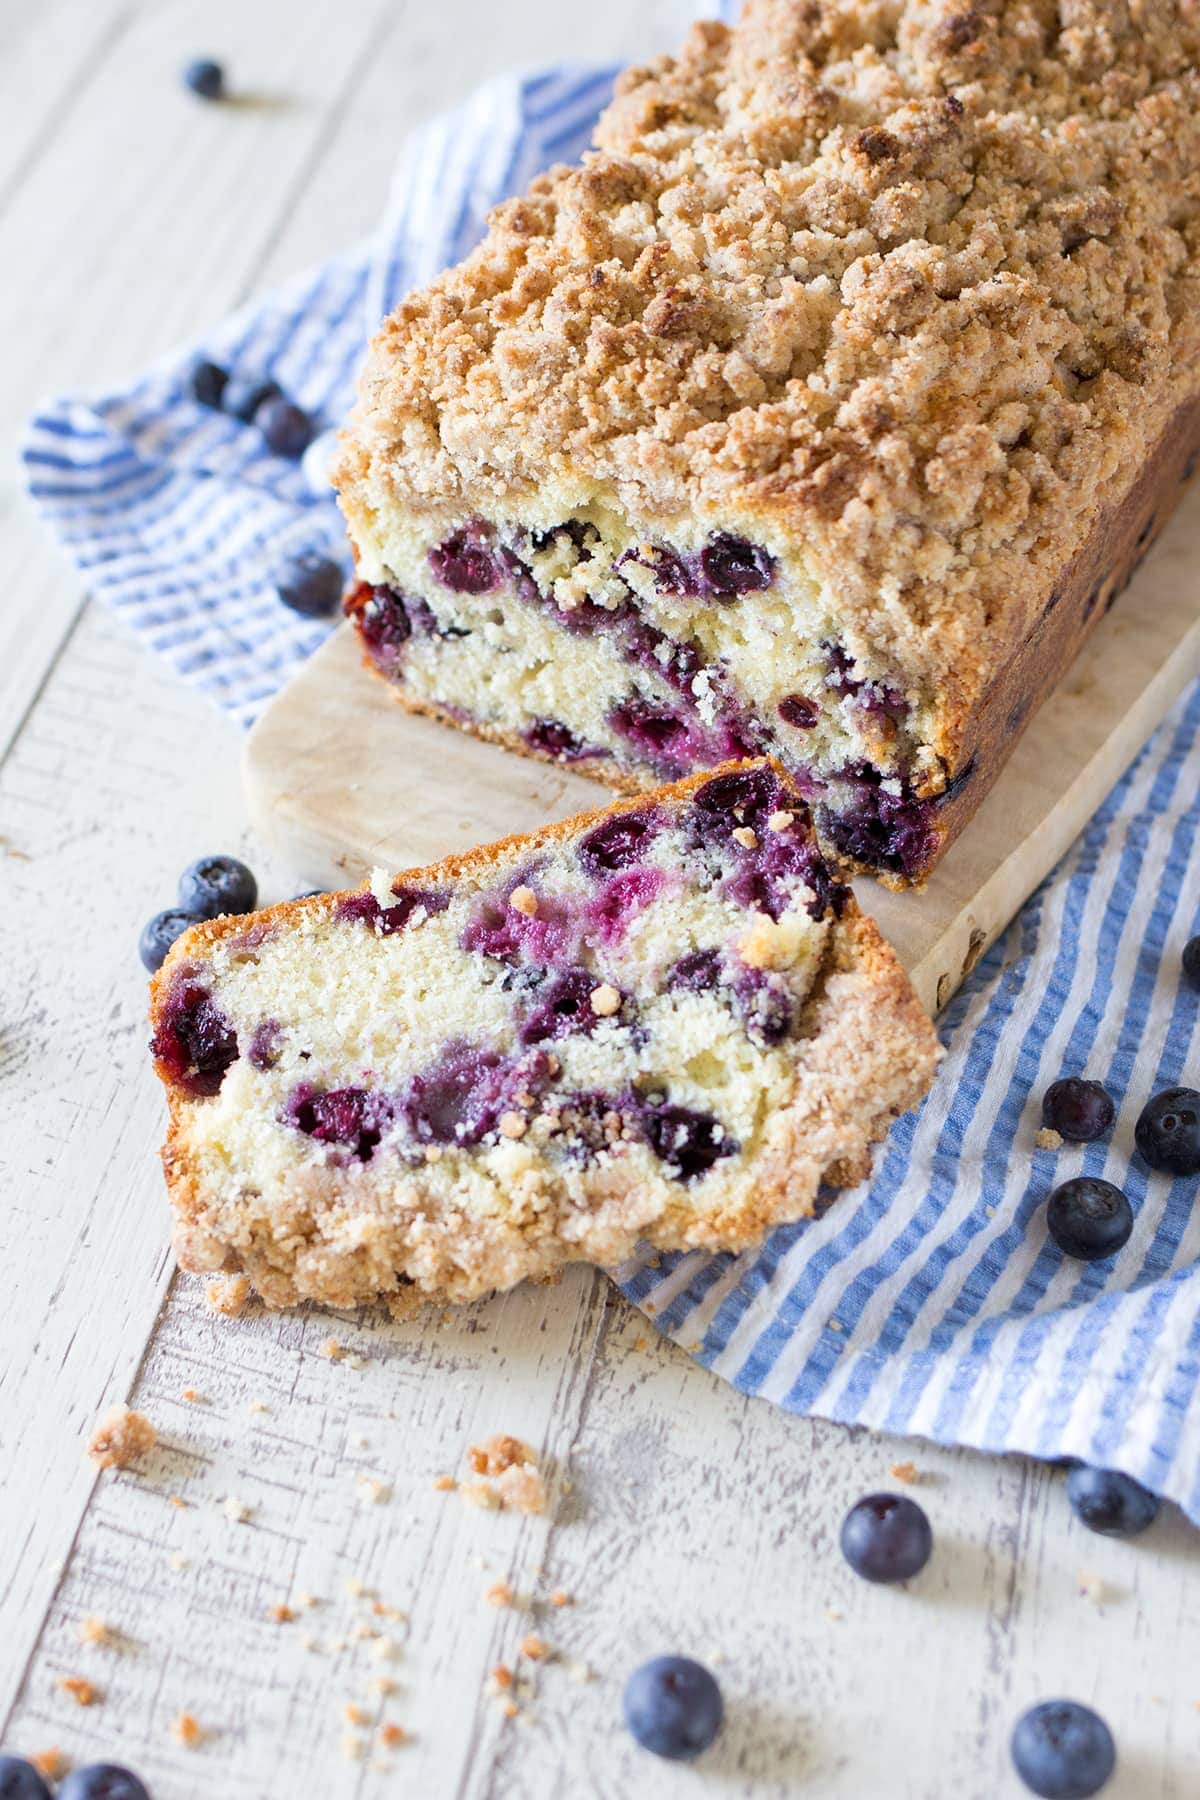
[(821, 412), (664, 1021)]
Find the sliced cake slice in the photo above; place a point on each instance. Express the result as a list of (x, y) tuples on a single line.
[(665, 1020)]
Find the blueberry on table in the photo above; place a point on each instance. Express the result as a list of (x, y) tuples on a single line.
[(19, 1780), (1076, 1109), (312, 587), (286, 428), (207, 382), (160, 932), (1168, 1131), (1089, 1218), (205, 78), (244, 394), (1106, 1501), (886, 1537), (217, 884), (1191, 961), (673, 1706), (1063, 1750)]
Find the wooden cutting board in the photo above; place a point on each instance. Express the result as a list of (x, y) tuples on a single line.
[(340, 778)]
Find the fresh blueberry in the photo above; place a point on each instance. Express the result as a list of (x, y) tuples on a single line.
[(1089, 1218), (673, 1706), (886, 1537), (286, 428), (1109, 1502), (103, 1781), (1063, 1750), (244, 394), (206, 78), (19, 1780), (1076, 1109), (1191, 961), (312, 586), (217, 884), (207, 382), (1168, 1131), (160, 932)]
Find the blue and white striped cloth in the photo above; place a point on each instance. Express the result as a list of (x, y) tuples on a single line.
[(930, 1302)]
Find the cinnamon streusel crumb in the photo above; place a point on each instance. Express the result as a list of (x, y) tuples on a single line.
[(121, 1437), (82, 1691), (227, 1295), (187, 1730)]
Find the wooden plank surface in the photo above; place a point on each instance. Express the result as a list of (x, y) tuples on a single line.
[(340, 778), (694, 1519)]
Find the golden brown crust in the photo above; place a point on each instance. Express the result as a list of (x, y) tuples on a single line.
[(913, 284), (866, 1052)]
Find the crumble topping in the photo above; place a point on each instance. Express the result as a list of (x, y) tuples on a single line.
[(120, 1438), (1048, 1139), (187, 1730), (82, 1691), (915, 281), (227, 1295)]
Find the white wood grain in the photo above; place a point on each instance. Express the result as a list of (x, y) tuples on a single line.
[(696, 1519)]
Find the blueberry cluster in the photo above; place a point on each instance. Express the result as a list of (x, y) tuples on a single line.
[(309, 584), (1087, 1217), (255, 399), (19, 1780), (210, 886)]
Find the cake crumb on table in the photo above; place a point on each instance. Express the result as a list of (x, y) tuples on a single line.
[(1092, 1587), (560, 1597), (1048, 1139), (373, 1491), (120, 1438), (500, 1679), (535, 1648), (282, 1615), (353, 1748), (905, 1471), (186, 1730), (331, 1349), (51, 1763), (189, 1394), (236, 1511), (227, 1295), (80, 1689), (445, 1484), (391, 1736), (95, 1631), (497, 1453), (353, 1714), (499, 1594)]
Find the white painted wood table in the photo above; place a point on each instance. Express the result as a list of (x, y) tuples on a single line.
[(683, 1516)]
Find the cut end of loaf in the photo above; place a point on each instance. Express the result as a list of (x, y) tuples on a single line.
[(640, 655)]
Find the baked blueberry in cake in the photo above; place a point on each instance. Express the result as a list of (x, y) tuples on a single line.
[(666, 1020), (821, 412)]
